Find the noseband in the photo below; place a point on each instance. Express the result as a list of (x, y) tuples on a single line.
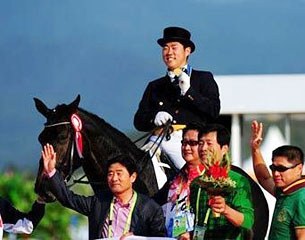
[(56, 124)]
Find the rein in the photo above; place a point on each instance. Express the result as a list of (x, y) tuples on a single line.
[(165, 133), (149, 134)]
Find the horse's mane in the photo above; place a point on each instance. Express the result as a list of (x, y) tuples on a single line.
[(115, 138), (109, 142)]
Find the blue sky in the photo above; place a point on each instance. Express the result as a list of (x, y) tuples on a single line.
[(107, 52)]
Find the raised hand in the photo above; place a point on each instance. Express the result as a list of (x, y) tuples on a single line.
[(257, 134), (259, 166), (49, 158)]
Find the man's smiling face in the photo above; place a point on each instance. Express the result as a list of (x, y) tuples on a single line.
[(175, 55)]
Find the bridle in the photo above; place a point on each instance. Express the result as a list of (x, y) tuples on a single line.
[(165, 133), (70, 173), (76, 124), (56, 124)]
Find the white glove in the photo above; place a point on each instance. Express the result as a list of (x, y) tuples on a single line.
[(184, 82), (162, 118)]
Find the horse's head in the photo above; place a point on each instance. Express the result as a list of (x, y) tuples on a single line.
[(59, 132), (66, 126)]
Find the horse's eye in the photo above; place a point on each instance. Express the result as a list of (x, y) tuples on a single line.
[(53, 134), (62, 137), (62, 134), (47, 136)]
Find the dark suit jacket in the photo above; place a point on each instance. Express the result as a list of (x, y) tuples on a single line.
[(147, 218), (200, 103), (11, 215)]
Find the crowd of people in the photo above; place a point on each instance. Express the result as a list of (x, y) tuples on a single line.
[(188, 99)]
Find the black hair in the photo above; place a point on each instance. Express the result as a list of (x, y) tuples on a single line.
[(223, 134), (124, 160), (294, 154), (192, 126)]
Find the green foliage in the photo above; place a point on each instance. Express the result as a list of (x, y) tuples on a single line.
[(18, 188)]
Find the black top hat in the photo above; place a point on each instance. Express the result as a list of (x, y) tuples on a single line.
[(177, 34)]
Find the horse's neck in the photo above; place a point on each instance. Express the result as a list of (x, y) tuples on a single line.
[(103, 142), (107, 140)]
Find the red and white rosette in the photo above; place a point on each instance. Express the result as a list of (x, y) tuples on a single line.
[(77, 125)]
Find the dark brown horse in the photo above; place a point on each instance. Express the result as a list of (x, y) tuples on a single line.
[(99, 141), (83, 139)]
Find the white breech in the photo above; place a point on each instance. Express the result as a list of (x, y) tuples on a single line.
[(172, 148)]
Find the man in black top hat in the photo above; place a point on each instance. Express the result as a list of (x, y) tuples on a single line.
[(181, 96)]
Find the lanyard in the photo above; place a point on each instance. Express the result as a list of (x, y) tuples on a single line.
[(128, 222), (179, 190), (197, 210)]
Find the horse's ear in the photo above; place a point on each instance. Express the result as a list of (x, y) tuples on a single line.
[(75, 103), (41, 107)]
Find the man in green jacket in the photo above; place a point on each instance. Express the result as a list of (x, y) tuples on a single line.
[(234, 210)]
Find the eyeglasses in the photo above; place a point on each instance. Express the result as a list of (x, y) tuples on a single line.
[(192, 143), (281, 168)]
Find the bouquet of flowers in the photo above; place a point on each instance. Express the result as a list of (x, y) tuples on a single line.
[(216, 180)]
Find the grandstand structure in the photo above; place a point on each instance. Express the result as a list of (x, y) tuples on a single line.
[(276, 100)]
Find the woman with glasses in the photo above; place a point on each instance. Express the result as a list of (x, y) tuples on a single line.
[(286, 184), (177, 207)]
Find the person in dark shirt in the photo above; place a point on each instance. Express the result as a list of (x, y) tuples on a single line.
[(119, 212)]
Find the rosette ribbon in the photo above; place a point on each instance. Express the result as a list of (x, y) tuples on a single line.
[(77, 125)]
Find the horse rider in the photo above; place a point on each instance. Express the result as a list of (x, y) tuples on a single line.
[(182, 95)]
